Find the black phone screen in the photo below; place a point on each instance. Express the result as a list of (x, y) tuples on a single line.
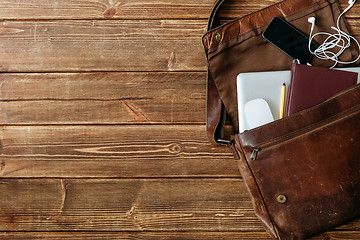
[(289, 40)]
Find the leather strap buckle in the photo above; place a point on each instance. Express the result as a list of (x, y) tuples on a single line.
[(223, 141)]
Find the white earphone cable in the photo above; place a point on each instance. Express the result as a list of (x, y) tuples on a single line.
[(339, 40)]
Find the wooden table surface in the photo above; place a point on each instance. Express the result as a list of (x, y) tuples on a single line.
[(102, 116)]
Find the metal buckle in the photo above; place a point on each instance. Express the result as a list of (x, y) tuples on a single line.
[(223, 141)]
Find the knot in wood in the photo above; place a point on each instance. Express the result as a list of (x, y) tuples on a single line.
[(175, 148), (110, 12)]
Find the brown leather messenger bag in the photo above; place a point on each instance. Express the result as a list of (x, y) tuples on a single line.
[(302, 171)]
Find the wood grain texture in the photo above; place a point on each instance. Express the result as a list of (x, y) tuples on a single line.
[(128, 205), (132, 9), (238, 8), (164, 235), (90, 45), (102, 9), (86, 80), (112, 151), (103, 98), (119, 45), (193, 235)]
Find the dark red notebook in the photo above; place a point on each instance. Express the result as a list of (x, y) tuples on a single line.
[(310, 86)]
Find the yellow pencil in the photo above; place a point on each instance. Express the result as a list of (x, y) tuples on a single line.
[(282, 103)]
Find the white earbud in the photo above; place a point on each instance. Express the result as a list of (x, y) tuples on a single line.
[(311, 20), (339, 40)]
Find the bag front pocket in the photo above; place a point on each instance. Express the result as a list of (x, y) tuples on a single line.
[(302, 133), (308, 177)]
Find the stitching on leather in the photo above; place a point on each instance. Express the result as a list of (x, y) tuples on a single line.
[(344, 94), (257, 185), (325, 2), (258, 188), (351, 109), (247, 15), (326, 127), (213, 49), (313, 128), (323, 127)]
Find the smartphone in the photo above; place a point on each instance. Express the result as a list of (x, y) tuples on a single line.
[(289, 40)]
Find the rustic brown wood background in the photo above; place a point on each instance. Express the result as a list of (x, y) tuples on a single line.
[(102, 110)]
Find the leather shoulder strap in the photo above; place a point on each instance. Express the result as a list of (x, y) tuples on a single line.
[(216, 112), (213, 15)]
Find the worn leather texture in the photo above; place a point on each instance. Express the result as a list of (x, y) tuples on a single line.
[(305, 176), (238, 47), (215, 109), (311, 85), (312, 158), (216, 113)]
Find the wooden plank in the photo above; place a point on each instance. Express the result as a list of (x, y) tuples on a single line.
[(112, 151), (331, 235), (135, 235), (132, 9), (100, 9), (119, 45), (129, 45), (106, 98), (238, 8), (128, 205)]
